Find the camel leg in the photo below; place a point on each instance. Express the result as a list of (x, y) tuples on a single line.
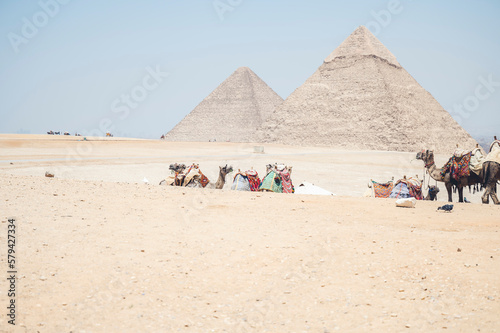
[(486, 195), (460, 194), (448, 188), (493, 194), (495, 198)]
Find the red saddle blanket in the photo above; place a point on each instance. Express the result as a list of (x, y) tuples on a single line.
[(253, 179), (286, 181)]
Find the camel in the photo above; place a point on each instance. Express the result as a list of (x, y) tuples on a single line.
[(277, 179), (223, 171), (432, 194), (270, 167), (178, 169), (428, 157), (491, 174)]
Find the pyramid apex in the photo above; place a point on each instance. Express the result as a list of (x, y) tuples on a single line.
[(362, 28), (362, 42), (243, 69)]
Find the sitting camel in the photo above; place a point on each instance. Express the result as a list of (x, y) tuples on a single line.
[(192, 177), (270, 167), (277, 179), (428, 157), (223, 171), (432, 194)]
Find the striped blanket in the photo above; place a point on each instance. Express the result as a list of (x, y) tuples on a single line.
[(253, 179), (415, 188), (286, 181), (407, 188)]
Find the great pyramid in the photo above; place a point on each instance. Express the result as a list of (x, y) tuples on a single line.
[(361, 98), (232, 112)]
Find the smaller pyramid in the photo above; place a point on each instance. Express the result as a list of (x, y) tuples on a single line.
[(232, 112)]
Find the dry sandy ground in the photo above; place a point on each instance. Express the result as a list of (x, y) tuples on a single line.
[(100, 251)]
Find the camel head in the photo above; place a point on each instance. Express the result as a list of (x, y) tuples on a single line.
[(177, 167), (427, 156), (269, 167), (225, 170), (434, 189), (290, 170)]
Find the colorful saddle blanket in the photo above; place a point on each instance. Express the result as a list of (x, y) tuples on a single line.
[(193, 172), (240, 182), (407, 188), (271, 182), (415, 188), (246, 181), (457, 166), (253, 179), (382, 190), (286, 181)]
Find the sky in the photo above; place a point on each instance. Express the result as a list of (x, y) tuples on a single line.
[(137, 68)]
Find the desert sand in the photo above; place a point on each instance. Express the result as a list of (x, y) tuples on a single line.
[(99, 250)]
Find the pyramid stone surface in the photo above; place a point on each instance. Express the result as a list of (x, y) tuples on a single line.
[(361, 98), (233, 111)]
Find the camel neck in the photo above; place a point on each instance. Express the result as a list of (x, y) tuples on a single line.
[(433, 170), (221, 181)]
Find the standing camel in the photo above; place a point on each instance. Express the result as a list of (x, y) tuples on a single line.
[(428, 157), (491, 174)]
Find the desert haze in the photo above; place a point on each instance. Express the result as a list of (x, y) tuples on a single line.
[(100, 249)]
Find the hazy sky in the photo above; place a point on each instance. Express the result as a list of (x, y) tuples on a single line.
[(139, 67)]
